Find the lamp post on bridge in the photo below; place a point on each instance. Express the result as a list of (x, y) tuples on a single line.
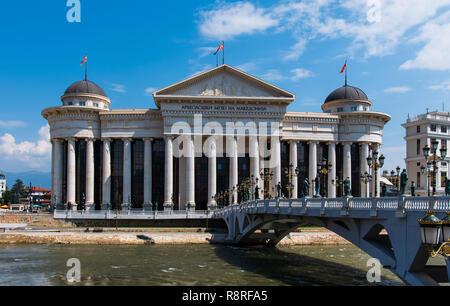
[(267, 177), (427, 170), (324, 168), (365, 179), (436, 236), (290, 173), (434, 159), (375, 163)]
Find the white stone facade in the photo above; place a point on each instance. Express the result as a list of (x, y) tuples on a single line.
[(420, 132), (220, 113)]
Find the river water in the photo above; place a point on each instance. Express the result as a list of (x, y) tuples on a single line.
[(188, 265)]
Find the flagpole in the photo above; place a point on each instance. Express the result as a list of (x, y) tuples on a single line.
[(346, 68), (223, 57), (85, 72)]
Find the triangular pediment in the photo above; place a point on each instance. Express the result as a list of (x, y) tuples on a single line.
[(224, 81)]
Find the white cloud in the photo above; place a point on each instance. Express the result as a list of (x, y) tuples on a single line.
[(229, 20), (375, 27), (33, 154), (435, 54), (118, 88), (12, 124), (149, 91), (205, 51), (300, 73), (398, 89), (443, 86), (273, 75)]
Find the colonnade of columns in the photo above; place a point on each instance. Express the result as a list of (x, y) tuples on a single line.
[(255, 169)]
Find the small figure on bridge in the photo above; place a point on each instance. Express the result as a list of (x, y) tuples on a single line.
[(383, 190), (447, 186), (256, 192), (347, 189), (249, 194), (403, 182), (413, 189), (306, 185), (279, 194), (317, 186)]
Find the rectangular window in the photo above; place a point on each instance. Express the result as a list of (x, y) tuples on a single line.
[(95, 104), (418, 180), (418, 129), (354, 108), (418, 147), (433, 127), (443, 178), (82, 103), (443, 129), (340, 109), (70, 103), (444, 143)]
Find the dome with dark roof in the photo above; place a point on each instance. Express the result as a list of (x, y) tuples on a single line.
[(85, 87), (347, 93)]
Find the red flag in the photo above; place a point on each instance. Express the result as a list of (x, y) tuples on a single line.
[(84, 60), (345, 67), (220, 48)]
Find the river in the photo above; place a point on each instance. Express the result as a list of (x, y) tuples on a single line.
[(188, 265)]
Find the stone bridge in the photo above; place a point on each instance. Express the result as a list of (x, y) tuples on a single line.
[(385, 228)]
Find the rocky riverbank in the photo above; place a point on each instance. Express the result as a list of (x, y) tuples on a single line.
[(134, 238)]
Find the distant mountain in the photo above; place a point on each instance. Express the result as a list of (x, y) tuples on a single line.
[(37, 179)]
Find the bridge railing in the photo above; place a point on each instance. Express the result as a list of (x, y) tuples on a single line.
[(387, 203)]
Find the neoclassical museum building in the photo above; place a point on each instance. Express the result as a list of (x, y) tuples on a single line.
[(106, 158)]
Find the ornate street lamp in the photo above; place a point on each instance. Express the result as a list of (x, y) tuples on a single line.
[(375, 163), (433, 160), (290, 173), (324, 168), (427, 171), (338, 183), (267, 177), (365, 179), (435, 234)]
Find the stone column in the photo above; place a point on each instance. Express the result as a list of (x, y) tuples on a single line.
[(52, 202), (168, 176), (348, 161), (58, 173), (332, 173), (106, 197), (126, 201), (212, 174), (276, 152), (312, 165), (71, 174), (148, 164), (364, 168), (254, 161), (293, 161), (190, 174), (232, 151), (90, 174)]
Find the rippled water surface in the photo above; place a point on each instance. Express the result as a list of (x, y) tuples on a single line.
[(187, 265)]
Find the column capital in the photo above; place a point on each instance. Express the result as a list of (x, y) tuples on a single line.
[(129, 139), (106, 139), (74, 139), (313, 142), (151, 139), (332, 142), (57, 140), (89, 139)]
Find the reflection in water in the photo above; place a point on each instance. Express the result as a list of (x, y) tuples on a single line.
[(187, 265)]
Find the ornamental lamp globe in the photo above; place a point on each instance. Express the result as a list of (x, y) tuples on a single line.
[(446, 227), (369, 161), (382, 158), (430, 228), (426, 151), (443, 152), (434, 145)]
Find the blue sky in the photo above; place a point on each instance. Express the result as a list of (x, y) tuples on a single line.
[(398, 53)]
